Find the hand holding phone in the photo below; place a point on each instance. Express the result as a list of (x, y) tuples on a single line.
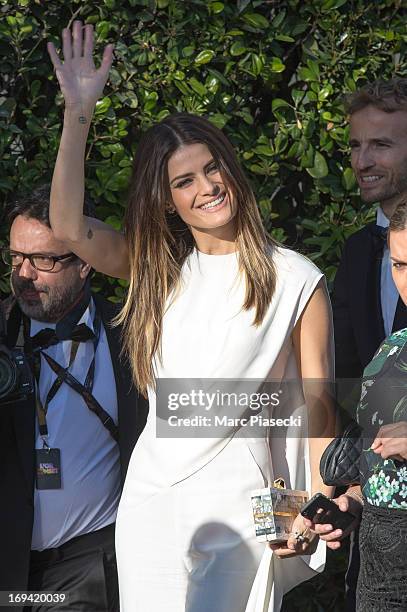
[(322, 510)]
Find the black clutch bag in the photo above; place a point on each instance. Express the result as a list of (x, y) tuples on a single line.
[(339, 465)]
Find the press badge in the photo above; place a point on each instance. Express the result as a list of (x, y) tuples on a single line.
[(48, 468)]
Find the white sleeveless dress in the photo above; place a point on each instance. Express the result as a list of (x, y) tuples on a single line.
[(185, 536)]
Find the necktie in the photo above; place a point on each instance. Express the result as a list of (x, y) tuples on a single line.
[(47, 337), (380, 231)]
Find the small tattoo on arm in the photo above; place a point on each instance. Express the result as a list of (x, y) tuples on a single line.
[(82, 119), (90, 234)]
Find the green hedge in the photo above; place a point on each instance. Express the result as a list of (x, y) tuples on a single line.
[(271, 73)]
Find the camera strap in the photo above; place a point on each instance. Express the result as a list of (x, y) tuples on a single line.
[(63, 375)]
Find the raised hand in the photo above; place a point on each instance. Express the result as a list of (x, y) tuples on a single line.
[(81, 83)]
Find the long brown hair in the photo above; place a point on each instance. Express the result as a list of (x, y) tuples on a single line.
[(159, 242)]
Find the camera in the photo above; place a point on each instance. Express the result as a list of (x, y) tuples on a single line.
[(16, 379)]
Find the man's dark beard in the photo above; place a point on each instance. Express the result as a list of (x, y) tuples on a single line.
[(52, 305)]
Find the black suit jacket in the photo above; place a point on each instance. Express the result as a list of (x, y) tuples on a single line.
[(17, 440), (358, 320)]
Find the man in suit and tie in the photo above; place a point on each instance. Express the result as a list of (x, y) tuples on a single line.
[(366, 304), (64, 454)]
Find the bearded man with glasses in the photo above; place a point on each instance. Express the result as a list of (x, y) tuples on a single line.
[(58, 529), (42, 297)]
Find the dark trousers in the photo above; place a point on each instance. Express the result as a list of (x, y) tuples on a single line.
[(84, 568)]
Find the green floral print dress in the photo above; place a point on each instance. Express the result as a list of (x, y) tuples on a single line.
[(382, 582), (383, 400)]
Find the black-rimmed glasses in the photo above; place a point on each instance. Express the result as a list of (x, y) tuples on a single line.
[(42, 263)]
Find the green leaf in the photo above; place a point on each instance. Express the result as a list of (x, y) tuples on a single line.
[(102, 29), (320, 167), (119, 180), (257, 64), (238, 48), (114, 222), (197, 86), (188, 51), (280, 142), (241, 5), (204, 57), (348, 179), (256, 20), (182, 87), (276, 65), (35, 88), (217, 7), (102, 106), (219, 120), (307, 158), (324, 93), (292, 151), (330, 5), (218, 75), (279, 103), (150, 101), (297, 96), (27, 29), (284, 38), (264, 150), (212, 84), (314, 68), (7, 107), (278, 20), (305, 74)]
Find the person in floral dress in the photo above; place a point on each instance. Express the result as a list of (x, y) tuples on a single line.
[(381, 499)]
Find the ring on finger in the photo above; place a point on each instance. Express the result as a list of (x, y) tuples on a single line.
[(300, 537)]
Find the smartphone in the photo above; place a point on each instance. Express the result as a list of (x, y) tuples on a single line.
[(321, 509)]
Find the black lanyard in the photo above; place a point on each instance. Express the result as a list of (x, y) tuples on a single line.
[(63, 375)]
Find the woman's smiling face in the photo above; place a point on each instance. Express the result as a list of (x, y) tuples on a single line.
[(199, 193)]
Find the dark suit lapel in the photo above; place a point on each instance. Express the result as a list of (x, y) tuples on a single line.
[(372, 306)]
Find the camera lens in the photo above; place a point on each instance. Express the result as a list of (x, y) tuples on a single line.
[(8, 376)]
